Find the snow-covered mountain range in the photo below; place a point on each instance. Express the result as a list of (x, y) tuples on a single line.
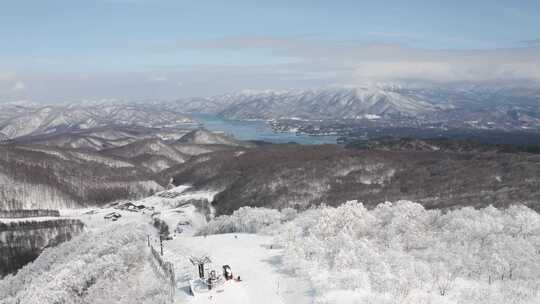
[(27, 119), (321, 104), (503, 107), (309, 104), (469, 107)]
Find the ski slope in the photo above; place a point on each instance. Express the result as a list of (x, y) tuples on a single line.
[(250, 257)]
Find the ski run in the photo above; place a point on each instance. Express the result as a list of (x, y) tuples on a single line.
[(253, 257)]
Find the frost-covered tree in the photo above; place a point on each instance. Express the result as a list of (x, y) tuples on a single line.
[(111, 266), (249, 220), (415, 255)]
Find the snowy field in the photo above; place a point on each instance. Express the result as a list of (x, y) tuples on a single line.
[(396, 253), (250, 256)]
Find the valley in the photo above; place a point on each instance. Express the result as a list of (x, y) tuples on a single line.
[(271, 184), (53, 175)]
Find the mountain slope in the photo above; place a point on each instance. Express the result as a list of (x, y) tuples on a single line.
[(154, 154), (477, 107), (39, 120), (52, 178), (301, 176), (153, 146), (323, 104), (205, 137), (37, 176), (101, 138)]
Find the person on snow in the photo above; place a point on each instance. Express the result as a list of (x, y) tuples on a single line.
[(227, 272)]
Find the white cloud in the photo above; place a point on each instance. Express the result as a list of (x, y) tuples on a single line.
[(18, 86), (310, 61), (4, 76), (448, 71), (358, 61)]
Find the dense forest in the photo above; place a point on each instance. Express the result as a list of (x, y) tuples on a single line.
[(22, 241), (38, 179), (402, 253), (280, 176)]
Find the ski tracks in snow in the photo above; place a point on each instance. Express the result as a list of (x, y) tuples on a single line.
[(249, 257)]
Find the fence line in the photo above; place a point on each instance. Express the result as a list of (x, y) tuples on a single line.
[(29, 213), (165, 270)]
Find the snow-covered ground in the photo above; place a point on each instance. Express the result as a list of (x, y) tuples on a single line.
[(172, 209), (396, 253), (250, 256), (253, 257)]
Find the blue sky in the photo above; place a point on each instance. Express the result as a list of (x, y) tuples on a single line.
[(142, 49)]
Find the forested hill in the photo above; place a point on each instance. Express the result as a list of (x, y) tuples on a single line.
[(37, 176), (52, 178), (281, 176)]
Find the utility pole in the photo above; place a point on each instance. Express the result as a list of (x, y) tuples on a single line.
[(148, 235), (161, 244)]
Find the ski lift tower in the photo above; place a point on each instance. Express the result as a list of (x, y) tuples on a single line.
[(199, 262)]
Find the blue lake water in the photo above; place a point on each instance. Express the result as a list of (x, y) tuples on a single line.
[(257, 130)]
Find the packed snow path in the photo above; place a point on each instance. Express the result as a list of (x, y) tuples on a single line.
[(249, 256)]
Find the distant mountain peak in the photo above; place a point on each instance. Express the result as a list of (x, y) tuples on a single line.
[(16, 121), (329, 103), (203, 136)]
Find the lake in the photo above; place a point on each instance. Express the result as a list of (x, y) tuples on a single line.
[(257, 130)]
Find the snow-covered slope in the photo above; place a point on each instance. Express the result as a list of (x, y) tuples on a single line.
[(101, 138), (206, 137), (153, 154), (322, 104), (250, 256), (108, 265), (149, 146), (45, 175), (81, 156), (22, 240), (39, 120), (35, 177), (395, 253), (503, 107)]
